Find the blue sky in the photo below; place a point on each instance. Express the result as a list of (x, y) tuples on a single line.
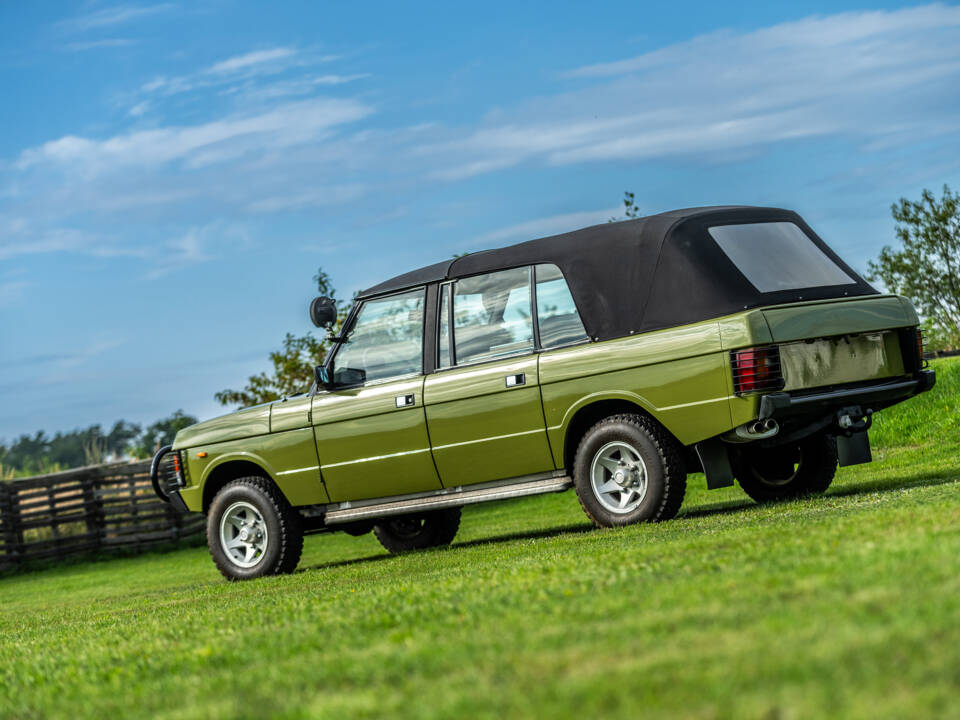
[(172, 174)]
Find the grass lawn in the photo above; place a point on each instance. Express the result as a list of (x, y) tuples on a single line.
[(846, 605)]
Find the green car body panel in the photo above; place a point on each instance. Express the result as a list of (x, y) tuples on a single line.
[(369, 447), (480, 429), (465, 426)]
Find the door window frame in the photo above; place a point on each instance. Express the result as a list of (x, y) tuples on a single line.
[(536, 312), (330, 361), (447, 288)]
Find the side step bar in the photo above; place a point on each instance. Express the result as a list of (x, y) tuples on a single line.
[(450, 498)]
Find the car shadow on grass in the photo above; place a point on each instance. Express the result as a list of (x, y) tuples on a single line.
[(930, 479), (492, 539)]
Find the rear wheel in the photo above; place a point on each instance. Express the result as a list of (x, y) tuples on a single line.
[(628, 469), (787, 471), (417, 532), (252, 531)]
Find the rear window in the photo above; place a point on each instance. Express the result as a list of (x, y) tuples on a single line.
[(778, 256)]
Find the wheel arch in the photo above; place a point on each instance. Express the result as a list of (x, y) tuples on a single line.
[(229, 469), (587, 413)]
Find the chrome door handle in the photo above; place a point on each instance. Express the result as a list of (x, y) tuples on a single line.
[(515, 380), (405, 400)]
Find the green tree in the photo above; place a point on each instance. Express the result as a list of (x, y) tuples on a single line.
[(161, 433), (293, 364), (925, 268), (630, 208)]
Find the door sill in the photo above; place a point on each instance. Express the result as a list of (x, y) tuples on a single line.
[(339, 513)]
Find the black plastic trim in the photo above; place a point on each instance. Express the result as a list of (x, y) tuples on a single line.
[(177, 502), (430, 329), (780, 404), (154, 468)]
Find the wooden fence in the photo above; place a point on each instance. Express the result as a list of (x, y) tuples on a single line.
[(86, 510)]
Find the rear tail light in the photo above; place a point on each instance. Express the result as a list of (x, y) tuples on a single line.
[(756, 370), (921, 347)]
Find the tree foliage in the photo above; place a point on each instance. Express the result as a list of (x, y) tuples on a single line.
[(630, 208), (161, 433), (292, 373), (40, 453), (925, 268), (293, 364)]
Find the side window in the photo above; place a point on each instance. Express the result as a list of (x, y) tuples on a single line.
[(385, 341), (491, 315), (557, 315)]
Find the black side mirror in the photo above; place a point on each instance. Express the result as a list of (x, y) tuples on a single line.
[(321, 376), (323, 312)]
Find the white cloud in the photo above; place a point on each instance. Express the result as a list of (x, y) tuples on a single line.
[(198, 145), (28, 241), (110, 16), (100, 44), (337, 79), (292, 88), (248, 60), (236, 72), (83, 355), (199, 244), (877, 80), (863, 75), (312, 197), (545, 226)]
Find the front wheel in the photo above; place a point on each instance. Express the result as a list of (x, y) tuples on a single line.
[(252, 531), (417, 532), (628, 469), (787, 471)]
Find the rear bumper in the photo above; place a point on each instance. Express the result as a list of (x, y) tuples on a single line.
[(875, 396)]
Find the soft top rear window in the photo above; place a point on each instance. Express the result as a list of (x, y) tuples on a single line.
[(778, 256)]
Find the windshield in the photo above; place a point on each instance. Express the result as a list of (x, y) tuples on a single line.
[(778, 256)]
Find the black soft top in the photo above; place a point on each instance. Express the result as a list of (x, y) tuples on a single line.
[(638, 275)]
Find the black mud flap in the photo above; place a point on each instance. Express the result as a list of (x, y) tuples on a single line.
[(854, 450), (716, 463)]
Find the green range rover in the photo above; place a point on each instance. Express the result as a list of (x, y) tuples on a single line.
[(613, 360)]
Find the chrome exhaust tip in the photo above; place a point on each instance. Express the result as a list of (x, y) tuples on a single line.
[(756, 430)]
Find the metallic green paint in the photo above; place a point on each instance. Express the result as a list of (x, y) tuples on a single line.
[(657, 371), (290, 413), (289, 458), (368, 446), (249, 422), (482, 430), (837, 317)]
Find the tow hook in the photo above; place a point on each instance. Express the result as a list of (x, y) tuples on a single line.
[(854, 419)]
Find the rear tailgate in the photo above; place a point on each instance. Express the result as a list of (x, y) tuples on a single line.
[(840, 342), (829, 318)]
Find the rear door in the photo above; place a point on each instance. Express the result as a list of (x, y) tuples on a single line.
[(371, 430), (483, 406)]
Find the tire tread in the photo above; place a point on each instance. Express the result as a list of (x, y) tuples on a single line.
[(674, 469), (291, 528)]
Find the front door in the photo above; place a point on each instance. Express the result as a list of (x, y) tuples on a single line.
[(370, 428), (483, 405)]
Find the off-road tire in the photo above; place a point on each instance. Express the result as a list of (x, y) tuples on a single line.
[(666, 474), (815, 465), (417, 532), (284, 529)]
